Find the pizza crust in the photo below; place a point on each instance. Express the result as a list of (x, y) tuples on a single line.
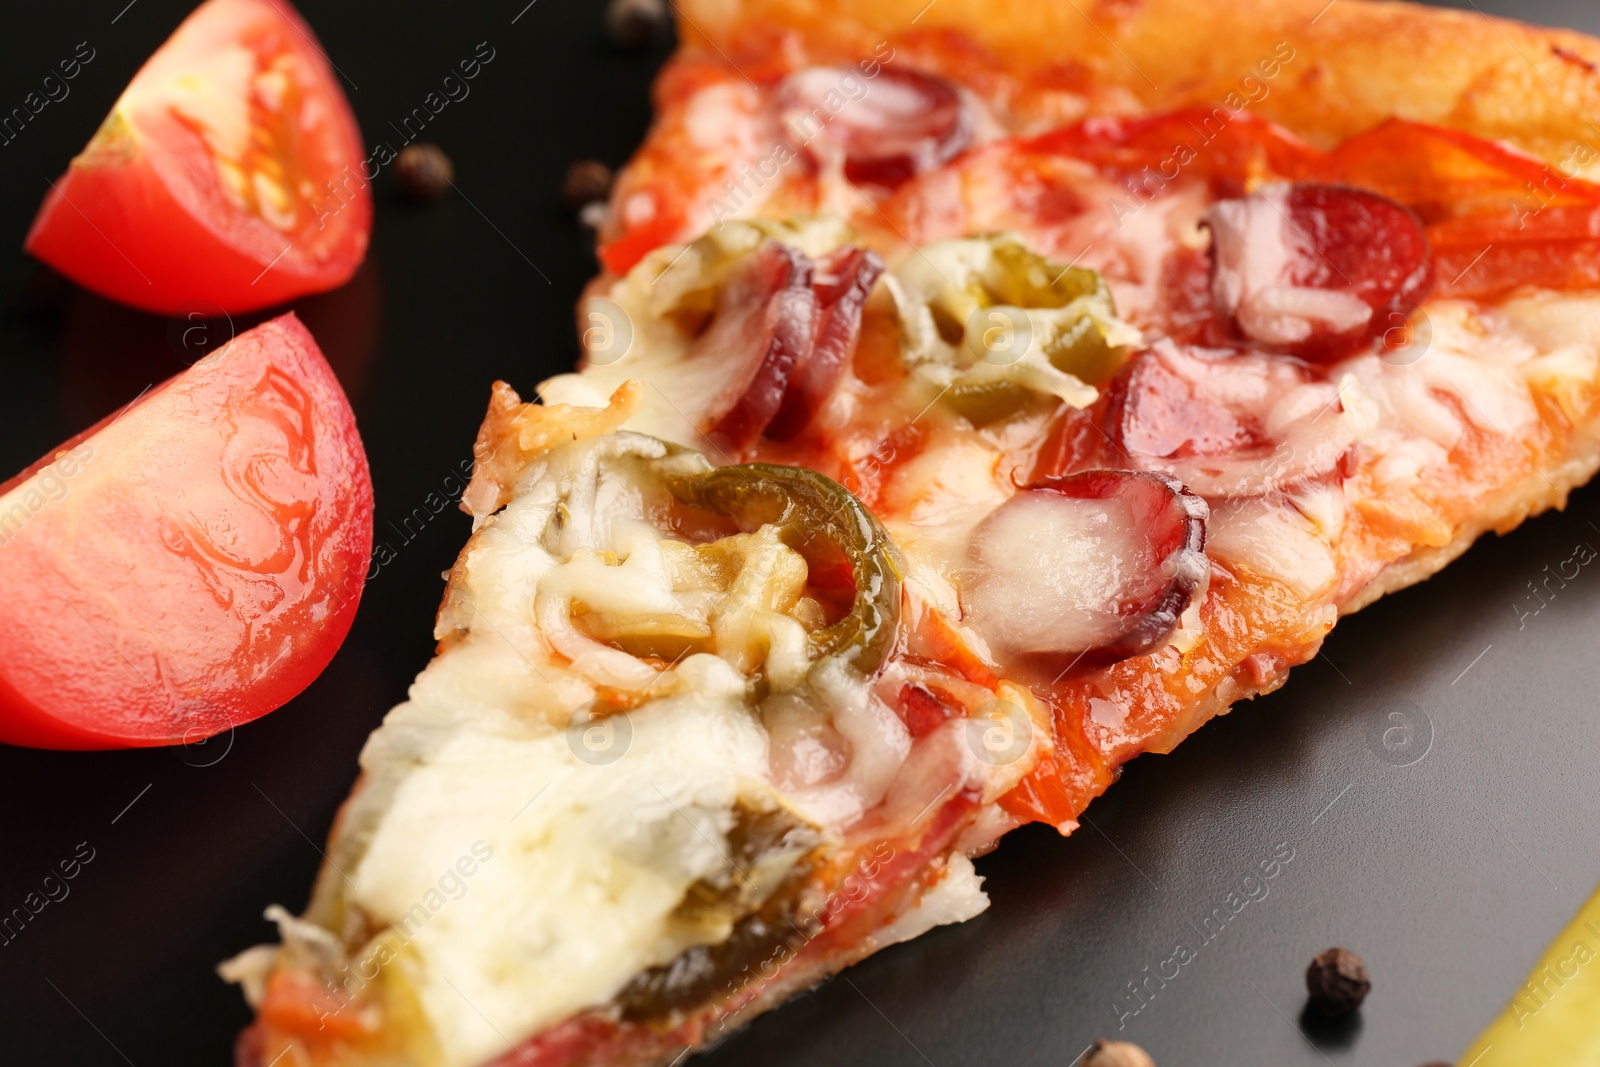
[(1539, 492), (1357, 63)]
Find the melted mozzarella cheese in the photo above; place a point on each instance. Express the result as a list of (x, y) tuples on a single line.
[(592, 842), (594, 830), (1275, 541), (515, 855)]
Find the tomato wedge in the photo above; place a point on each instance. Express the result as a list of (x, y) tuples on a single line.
[(228, 175), (190, 563)]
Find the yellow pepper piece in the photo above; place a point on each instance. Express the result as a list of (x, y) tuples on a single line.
[(1554, 1019)]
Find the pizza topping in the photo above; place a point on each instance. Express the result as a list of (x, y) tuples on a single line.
[(878, 132), (770, 568), (638, 652), (746, 333), (923, 708), (742, 597), (1317, 271), (1487, 256), (806, 750), (841, 284), (745, 910), (1274, 540), (760, 331), (743, 333), (1087, 569), (1229, 423), (1442, 173), (1471, 371), (991, 323), (638, 812), (846, 549)]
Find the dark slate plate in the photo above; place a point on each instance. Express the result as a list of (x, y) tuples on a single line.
[(1448, 863)]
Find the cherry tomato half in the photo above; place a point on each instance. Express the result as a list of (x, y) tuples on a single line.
[(190, 563), (228, 175)]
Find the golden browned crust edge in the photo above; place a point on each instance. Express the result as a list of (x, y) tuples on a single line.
[(1539, 492), (1356, 63), (514, 433)]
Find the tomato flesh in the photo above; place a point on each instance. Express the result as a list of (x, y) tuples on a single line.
[(192, 562), (227, 176)]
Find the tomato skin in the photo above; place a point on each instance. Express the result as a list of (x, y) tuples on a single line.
[(167, 210), (190, 564)]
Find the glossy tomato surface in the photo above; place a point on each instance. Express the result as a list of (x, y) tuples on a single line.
[(192, 562), (229, 174)]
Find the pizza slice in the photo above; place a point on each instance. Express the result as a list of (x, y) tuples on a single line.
[(958, 422)]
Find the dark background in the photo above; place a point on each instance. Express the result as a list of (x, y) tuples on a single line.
[(1449, 875)]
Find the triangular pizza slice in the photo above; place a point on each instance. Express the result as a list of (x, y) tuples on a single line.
[(964, 413)]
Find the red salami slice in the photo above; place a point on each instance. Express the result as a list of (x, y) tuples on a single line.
[(841, 284), (881, 130), (1226, 423), (762, 329), (1316, 271), (1086, 570)]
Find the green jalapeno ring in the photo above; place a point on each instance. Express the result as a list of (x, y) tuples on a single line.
[(807, 506)]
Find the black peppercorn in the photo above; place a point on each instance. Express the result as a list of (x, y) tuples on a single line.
[(586, 181), (424, 172), (633, 24), (1337, 981)]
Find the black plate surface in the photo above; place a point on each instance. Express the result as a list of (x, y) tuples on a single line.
[(1448, 873)]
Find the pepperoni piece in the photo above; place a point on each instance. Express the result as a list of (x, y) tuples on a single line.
[(924, 710), (1227, 423), (1443, 174), (1184, 307), (1193, 142), (783, 331), (1086, 570), (1316, 271), (880, 130), (761, 331), (1074, 442), (1486, 256), (842, 283)]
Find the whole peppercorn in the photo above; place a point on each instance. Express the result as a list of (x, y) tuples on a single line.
[(586, 181), (1337, 981), (424, 172), (1117, 1054), (633, 24)]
